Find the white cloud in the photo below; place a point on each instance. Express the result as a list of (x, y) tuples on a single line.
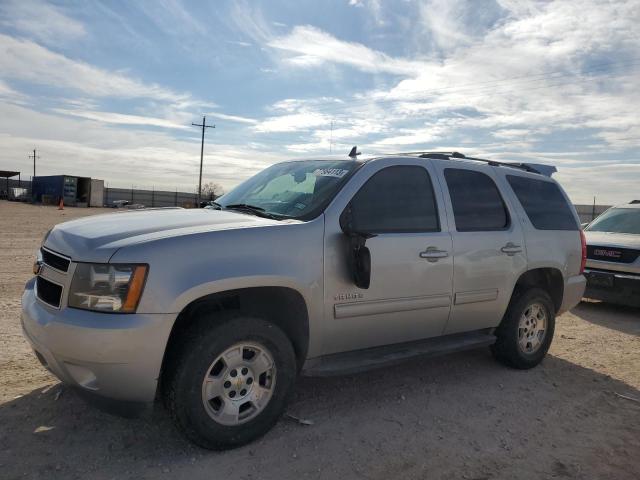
[(40, 20), (500, 79), (26, 60), (292, 122), (233, 118), (121, 119), (171, 17), (310, 46), (9, 94), (442, 21)]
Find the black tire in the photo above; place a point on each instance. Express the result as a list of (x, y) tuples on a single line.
[(507, 349), (190, 361)]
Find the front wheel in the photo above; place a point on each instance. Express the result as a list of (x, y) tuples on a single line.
[(229, 382), (526, 331)]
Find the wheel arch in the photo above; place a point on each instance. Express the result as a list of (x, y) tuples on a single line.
[(549, 279), (283, 306)]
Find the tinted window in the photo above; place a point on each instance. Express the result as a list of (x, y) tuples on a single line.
[(544, 203), (396, 199), (477, 204)]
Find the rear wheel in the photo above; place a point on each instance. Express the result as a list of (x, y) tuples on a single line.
[(228, 384), (526, 331)]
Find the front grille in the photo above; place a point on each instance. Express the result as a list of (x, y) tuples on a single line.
[(612, 254), (54, 260), (48, 292)]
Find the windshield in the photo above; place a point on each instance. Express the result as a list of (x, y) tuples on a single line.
[(617, 220), (292, 189)]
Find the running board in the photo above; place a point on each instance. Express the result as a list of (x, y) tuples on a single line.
[(386, 355)]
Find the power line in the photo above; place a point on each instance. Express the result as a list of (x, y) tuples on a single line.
[(204, 126)]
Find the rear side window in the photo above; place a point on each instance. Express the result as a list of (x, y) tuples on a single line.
[(477, 204), (544, 203), (396, 199)]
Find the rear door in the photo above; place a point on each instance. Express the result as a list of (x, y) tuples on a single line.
[(409, 298), (488, 246)]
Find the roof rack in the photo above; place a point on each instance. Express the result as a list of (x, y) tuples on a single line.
[(546, 170)]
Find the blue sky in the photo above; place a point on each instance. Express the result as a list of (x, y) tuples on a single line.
[(109, 89)]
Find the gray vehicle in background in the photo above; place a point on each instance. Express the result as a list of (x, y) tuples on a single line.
[(613, 256), (314, 267)]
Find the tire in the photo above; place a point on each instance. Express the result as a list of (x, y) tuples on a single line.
[(203, 364), (519, 344)]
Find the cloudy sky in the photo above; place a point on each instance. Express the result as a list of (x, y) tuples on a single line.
[(109, 89)]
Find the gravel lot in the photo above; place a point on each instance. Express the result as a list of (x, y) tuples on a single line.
[(457, 417)]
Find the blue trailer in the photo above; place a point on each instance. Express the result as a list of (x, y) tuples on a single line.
[(74, 191)]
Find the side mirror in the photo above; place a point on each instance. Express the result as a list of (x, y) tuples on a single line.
[(361, 268), (359, 259)]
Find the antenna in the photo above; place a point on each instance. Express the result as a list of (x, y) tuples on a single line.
[(354, 152)]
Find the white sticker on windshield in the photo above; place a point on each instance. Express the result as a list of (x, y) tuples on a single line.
[(330, 172)]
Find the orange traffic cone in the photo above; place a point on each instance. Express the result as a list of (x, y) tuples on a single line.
[(61, 205)]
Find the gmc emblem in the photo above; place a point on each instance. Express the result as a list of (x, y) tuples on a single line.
[(606, 253)]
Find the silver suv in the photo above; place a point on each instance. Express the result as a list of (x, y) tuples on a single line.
[(316, 267)]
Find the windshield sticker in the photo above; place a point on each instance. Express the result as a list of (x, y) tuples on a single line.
[(330, 172), (300, 206)]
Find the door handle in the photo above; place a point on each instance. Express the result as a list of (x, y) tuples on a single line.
[(511, 249), (432, 254)]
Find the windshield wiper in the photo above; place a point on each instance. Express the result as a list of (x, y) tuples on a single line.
[(258, 211), (245, 206)]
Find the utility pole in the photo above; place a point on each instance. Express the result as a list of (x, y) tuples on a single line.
[(34, 156), (203, 125), (331, 139)]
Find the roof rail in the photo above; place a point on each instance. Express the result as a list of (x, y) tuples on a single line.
[(546, 170)]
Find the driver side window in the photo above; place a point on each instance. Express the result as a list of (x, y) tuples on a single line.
[(397, 199)]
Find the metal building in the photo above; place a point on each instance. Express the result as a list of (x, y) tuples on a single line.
[(74, 191)]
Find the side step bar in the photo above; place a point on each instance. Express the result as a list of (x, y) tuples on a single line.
[(386, 355)]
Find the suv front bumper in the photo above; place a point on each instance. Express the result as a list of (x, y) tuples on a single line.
[(117, 356), (613, 287)]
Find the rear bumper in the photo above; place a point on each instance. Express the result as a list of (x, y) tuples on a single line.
[(573, 292), (109, 355), (624, 289)]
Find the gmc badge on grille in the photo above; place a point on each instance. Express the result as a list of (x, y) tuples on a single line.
[(607, 253)]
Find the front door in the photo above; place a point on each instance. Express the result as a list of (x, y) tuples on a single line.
[(409, 296)]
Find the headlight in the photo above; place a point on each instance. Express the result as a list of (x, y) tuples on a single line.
[(38, 262), (107, 287)]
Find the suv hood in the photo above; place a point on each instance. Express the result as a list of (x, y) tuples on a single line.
[(96, 239), (612, 239)]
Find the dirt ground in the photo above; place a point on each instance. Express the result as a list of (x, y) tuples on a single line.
[(461, 416)]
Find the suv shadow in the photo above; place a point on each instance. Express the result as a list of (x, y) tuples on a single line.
[(451, 416)]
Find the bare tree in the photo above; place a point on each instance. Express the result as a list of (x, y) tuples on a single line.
[(211, 190)]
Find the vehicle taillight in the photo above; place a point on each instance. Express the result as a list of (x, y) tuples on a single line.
[(583, 240)]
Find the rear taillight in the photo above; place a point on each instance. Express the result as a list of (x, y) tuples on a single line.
[(583, 262)]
